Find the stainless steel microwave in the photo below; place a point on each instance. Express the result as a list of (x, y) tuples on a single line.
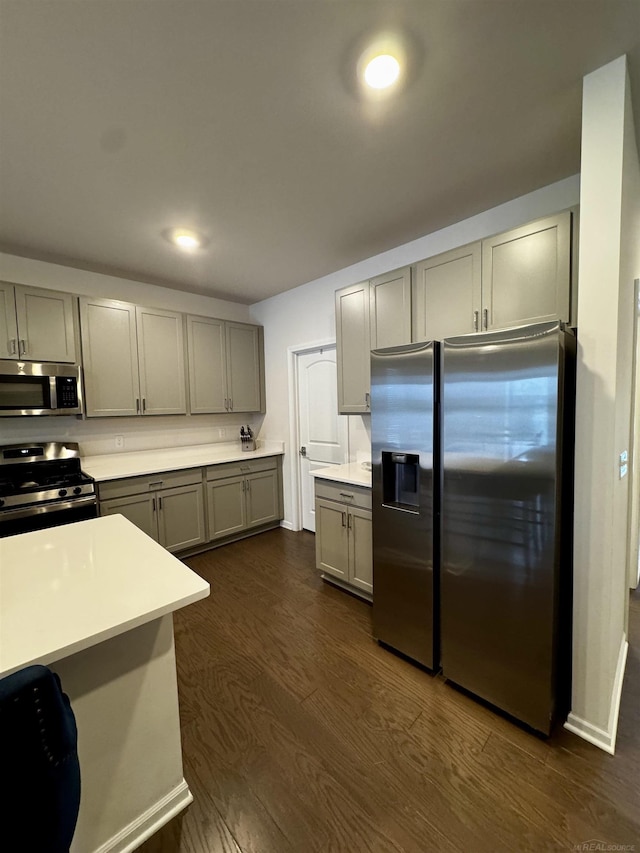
[(29, 388)]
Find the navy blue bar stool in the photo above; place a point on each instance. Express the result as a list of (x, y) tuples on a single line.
[(38, 763)]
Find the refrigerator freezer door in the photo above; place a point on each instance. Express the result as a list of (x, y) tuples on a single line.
[(502, 410), (403, 495)]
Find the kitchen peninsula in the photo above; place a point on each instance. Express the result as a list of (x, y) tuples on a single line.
[(94, 601)]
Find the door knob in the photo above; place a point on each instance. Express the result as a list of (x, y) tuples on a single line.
[(303, 451)]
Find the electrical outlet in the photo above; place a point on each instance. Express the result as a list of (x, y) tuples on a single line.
[(222, 433), (119, 442)]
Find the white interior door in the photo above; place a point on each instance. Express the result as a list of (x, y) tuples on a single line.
[(322, 431)]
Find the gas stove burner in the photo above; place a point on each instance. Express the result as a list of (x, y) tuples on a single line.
[(45, 481)]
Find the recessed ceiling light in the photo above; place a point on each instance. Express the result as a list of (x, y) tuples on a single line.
[(382, 71), (186, 239)]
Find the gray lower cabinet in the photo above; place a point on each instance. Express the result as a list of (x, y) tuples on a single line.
[(184, 509), (168, 507), (343, 535), (242, 496)]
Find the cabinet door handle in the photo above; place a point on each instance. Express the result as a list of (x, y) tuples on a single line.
[(367, 399), (230, 404), (347, 495), (144, 405), (12, 346), (486, 318), (156, 484), (248, 485), (344, 519), (160, 504), (476, 317), (244, 485), (137, 405), (153, 504), (349, 521), (22, 347)]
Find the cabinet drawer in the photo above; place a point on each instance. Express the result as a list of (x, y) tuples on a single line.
[(344, 493), (241, 468), (148, 483)]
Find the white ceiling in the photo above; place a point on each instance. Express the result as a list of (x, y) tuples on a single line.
[(122, 118)]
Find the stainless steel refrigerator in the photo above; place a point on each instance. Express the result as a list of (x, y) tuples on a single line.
[(506, 570), (405, 494), (472, 463)]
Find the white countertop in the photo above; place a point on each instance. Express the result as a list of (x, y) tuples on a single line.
[(71, 587), (352, 473), (112, 466)]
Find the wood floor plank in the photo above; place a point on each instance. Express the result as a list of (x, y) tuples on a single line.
[(301, 734)]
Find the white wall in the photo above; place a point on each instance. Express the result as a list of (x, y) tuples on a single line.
[(306, 314), (630, 270), (605, 346), (96, 435)]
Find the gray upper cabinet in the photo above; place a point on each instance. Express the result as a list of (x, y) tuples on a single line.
[(390, 309), (369, 315), (526, 274), (245, 375), (8, 322), (448, 294), (226, 366), (353, 348), (109, 357), (36, 324), (161, 361), (520, 276), (133, 359), (207, 365)]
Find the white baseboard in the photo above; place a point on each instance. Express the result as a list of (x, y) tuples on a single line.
[(134, 834), (604, 738), (287, 525)]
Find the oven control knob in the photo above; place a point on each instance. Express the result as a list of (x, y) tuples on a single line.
[(77, 490), (62, 493)]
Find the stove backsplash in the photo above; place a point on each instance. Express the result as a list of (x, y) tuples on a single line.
[(97, 436)]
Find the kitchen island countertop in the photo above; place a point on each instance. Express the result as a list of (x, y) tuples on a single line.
[(351, 473), (113, 466), (67, 588)]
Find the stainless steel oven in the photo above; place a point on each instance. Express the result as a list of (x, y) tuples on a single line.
[(31, 388), (42, 485)]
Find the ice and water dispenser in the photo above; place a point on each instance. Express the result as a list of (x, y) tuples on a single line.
[(401, 480)]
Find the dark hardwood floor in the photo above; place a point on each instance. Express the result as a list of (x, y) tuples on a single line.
[(301, 734)]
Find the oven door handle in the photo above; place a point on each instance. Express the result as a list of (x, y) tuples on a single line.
[(41, 509)]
